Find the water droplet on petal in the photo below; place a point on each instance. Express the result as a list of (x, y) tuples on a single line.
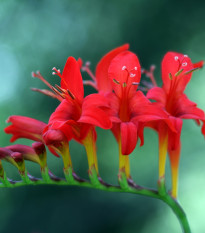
[(135, 68), (124, 67), (184, 64), (176, 58), (185, 55)]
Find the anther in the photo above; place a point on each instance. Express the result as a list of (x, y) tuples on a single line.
[(124, 84), (71, 94), (57, 92), (115, 81), (192, 70), (170, 76), (60, 89), (53, 73), (178, 73)]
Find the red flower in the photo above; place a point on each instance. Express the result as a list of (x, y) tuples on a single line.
[(25, 127), (29, 128), (120, 71), (176, 73), (32, 154), (77, 116)]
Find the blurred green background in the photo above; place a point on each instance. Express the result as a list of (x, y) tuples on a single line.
[(37, 35)]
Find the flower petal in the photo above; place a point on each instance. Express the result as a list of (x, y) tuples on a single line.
[(186, 109), (124, 70), (95, 100), (128, 137), (72, 79), (203, 128), (172, 63), (158, 94), (174, 137), (95, 116), (25, 127), (103, 82), (143, 110), (66, 110)]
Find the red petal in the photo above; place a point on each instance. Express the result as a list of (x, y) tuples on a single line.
[(96, 117), (158, 94), (103, 82), (199, 64), (72, 79), (143, 110), (186, 109), (128, 137), (95, 100), (203, 129), (66, 110), (124, 68), (25, 127), (174, 138), (171, 64)]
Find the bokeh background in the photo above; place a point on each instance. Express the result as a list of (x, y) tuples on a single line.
[(40, 34)]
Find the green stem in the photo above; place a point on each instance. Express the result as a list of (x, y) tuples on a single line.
[(126, 186), (179, 212)]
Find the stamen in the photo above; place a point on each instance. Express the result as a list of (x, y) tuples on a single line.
[(115, 81), (39, 76), (56, 72), (71, 94), (86, 68), (170, 76), (48, 93), (178, 73), (61, 89), (192, 70), (57, 92), (135, 83)]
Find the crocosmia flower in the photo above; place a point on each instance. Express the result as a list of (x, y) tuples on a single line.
[(176, 73), (117, 77), (77, 116)]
